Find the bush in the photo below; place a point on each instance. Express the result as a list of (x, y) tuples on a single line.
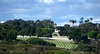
[(10, 42), (3, 52), (84, 47), (98, 36), (57, 52), (38, 41)]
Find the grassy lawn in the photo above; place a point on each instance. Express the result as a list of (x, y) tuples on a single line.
[(61, 44)]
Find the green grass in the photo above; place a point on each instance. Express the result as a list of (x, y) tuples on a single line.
[(22, 38), (61, 44)]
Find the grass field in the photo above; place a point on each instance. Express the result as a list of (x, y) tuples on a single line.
[(61, 44)]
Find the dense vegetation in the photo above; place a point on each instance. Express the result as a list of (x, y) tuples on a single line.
[(86, 35), (31, 28), (30, 49), (7, 33)]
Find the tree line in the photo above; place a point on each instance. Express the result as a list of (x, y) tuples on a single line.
[(32, 28)]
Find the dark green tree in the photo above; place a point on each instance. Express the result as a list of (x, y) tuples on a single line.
[(47, 32), (98, 36), (93, 34), (75, 35), (38, 32), (6, 33)]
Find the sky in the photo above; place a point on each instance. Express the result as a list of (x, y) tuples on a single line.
[(59, 11)]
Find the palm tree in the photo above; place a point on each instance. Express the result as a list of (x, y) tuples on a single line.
[(82, 20), (73, 21), (87, 20), (91, 18)]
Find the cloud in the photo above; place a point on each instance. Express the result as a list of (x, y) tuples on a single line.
[(90, 6), (62, 0), (48, 11), (82, 1), (49, 1), (96, 21), (2, 22), (21, 10), (63, 23)]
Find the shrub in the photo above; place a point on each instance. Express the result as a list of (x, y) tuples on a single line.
[(38, 41), (57, 52), (10, 42), (98, 36)]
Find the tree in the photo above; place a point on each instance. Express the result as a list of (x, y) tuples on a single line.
[(38, 32), (91, 18), (65, 30), (82, 20), (84, 47), (73, 21), (98, 36), (87, 27), (47, 32), (30, 30), (47, 24), (93, 34), (12, 34), (86, 21), (75, 35), (6, 33), (22, 32)]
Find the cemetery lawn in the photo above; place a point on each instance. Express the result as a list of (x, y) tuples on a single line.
[(59, 44)]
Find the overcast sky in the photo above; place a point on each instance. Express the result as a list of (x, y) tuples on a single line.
[(60, 11)]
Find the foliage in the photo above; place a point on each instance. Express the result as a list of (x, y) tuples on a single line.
[(93, 34), (9, 42), (98, 36), (38, 32), (29, 27), (47, 32), (7, 33), (75, 35), (29, 49), (85, 47), (85, 38), (65, 30), (30, 31), (87, 27), (12, 34), (57, 52), (38, 41)]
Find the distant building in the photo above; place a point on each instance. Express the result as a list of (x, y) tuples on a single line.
[(55, 33)]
